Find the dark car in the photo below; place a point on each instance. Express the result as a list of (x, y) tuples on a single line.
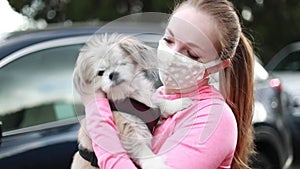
[(272, 134), (286, 66), (40, 113)]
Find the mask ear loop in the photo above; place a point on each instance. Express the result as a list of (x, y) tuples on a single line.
[(217, 68), (220, 81)]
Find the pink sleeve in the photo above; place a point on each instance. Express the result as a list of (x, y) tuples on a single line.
[(189, 154), (205, 142), (105, 140)]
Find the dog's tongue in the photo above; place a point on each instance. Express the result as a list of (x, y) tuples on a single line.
[(149, 115)]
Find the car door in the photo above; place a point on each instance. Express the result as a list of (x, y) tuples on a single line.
[(38, 109)]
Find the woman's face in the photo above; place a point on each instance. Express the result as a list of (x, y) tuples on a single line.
[(193, 33)]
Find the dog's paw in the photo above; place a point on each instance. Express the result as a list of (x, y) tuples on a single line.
[(169, 107), (186, 102), (154, 163)]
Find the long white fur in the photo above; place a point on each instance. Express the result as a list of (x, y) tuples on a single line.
[(129, 57)]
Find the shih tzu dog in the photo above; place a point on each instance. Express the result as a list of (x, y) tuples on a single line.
[(116, 64)]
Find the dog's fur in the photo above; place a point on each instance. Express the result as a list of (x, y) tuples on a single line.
[(121, 61)]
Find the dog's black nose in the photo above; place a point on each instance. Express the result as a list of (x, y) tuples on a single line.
[(114, 76)]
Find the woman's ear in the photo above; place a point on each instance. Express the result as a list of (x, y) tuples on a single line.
[(226, 63), (217, 67)]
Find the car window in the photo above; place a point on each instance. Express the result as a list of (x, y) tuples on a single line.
[(289, 63), (37, 88)]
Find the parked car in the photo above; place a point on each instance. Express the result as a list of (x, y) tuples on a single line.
[(286, 65), (40, 113), (272, 135)]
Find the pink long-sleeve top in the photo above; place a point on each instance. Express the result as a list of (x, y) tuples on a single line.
[(203, 136)]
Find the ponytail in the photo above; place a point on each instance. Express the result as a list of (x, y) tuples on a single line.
[(239, 96)]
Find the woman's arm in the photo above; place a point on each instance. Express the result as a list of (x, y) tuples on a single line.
[(105, 140), (208, 143), (102, 131), (182, 144), (204, 140)]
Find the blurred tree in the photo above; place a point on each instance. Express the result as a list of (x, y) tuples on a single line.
[(49, 10), (54, 11), (272, 23)]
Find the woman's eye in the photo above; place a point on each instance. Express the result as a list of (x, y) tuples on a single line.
[(192, 56), (100, 73), (167, 40)]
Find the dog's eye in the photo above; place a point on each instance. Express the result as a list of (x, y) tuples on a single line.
[(100, 73), (123, 64)]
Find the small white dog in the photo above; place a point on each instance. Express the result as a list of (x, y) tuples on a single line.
[(116, 64)]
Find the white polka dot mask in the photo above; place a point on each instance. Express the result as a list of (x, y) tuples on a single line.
[(177, 71)]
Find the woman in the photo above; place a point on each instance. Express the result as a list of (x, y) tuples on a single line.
[(216, 132)]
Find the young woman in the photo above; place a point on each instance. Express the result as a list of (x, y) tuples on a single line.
[(202, 37)]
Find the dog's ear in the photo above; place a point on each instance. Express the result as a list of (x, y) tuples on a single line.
[(142, 54), (84, 70)]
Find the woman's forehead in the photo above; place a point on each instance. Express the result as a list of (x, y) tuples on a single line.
[(189, 25)]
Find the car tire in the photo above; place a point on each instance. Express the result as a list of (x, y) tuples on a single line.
[(261, 161)]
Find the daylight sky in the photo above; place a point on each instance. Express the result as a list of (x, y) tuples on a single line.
[(11, 20)]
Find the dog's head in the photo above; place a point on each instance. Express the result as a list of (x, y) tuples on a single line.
[(111, 61)]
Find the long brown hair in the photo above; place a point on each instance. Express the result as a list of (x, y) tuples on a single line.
[(238, 80)]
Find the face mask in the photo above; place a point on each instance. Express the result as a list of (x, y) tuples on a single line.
[(178, 71)]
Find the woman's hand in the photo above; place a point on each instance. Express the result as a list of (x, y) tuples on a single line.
[(90, 94)]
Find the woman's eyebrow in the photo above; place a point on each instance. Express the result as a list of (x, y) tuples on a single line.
[(192, 44), (170, 32)]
